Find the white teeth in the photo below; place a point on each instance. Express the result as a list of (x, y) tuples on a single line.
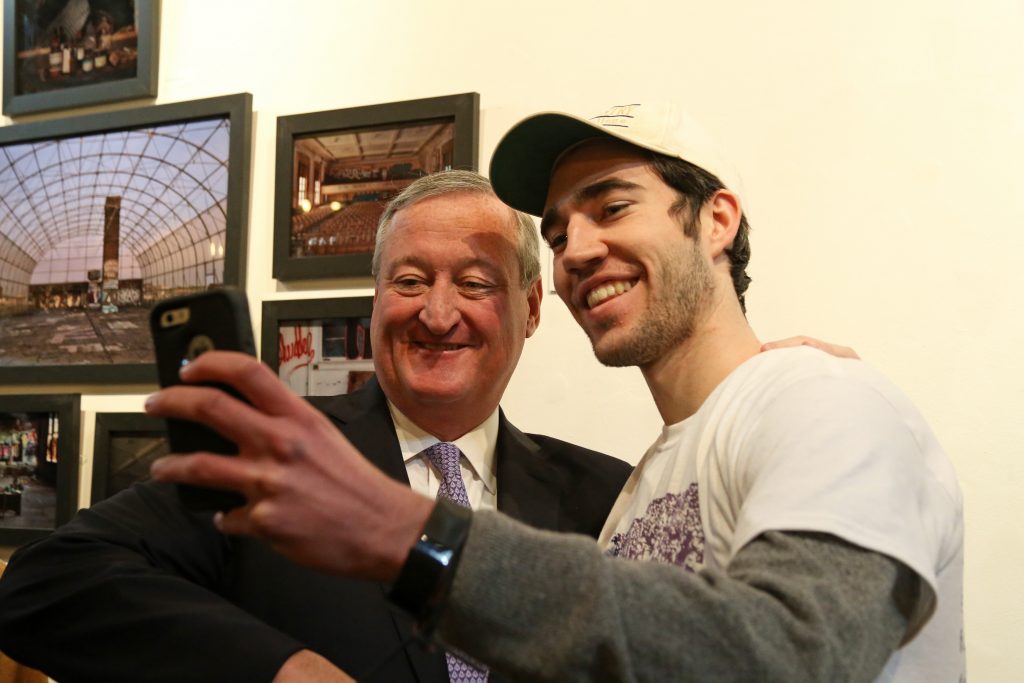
[(607, 290)]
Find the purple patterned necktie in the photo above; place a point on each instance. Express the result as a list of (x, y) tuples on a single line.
[(445, 458)]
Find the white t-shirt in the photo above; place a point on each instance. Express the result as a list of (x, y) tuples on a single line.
[(797, 440)]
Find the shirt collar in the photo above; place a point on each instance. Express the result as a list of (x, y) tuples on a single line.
[(478, 444)]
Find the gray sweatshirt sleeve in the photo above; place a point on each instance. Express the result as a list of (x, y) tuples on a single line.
[(790, 607)]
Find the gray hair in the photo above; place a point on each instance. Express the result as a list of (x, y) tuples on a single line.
[(451, 182)]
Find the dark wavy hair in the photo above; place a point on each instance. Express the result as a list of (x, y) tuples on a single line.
[(695, 186)]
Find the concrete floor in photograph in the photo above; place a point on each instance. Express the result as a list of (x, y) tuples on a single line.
[(76, 336), (38, 509)]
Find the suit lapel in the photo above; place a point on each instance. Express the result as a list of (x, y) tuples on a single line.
[(529, 487), (366, 421)]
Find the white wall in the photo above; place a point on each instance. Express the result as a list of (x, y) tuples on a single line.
[(882, 148)]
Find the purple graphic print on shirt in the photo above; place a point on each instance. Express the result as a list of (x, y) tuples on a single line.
[(669, 532)]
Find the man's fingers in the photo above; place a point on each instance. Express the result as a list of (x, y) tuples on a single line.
[(254, 519), (209, 470), (834, 349), (218, 410), (788, 342), (235, 522), (253, 380)]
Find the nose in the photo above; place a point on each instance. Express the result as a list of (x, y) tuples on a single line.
[(440, 312), (584, 245)]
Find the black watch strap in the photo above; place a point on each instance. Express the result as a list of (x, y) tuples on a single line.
[(427, 574)]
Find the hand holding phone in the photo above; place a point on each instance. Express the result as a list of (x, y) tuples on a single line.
[(183, 328)]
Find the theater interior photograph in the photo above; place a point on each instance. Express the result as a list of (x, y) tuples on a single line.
[(94, 229), (343, 180)]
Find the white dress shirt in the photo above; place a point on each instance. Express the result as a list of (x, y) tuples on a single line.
[(476, 463)]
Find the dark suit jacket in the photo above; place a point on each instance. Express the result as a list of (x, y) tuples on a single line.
[(134, 588)]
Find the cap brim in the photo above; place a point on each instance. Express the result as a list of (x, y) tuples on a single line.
[(524, 159)]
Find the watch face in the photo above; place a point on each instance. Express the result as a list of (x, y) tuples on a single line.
[(427, 573), (438, 554)]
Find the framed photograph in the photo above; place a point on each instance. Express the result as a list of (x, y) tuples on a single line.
[(39, 439), (71, 53), (124, 447), (101, 216), (319, 347), (336, 170)]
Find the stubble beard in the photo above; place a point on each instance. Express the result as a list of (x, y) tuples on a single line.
[(684, 292)]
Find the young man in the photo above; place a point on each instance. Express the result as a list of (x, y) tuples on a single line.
[(807, 488), (797, 519)]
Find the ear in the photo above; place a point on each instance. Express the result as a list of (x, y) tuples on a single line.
[(533, 297), (725, 210)]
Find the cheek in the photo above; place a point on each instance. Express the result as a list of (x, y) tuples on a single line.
[(494, 321), (380, 335), (390, 315), (562, 284)]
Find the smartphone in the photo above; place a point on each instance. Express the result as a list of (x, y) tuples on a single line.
[(183, 328)]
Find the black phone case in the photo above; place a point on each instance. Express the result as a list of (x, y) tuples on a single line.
[(219, 319)]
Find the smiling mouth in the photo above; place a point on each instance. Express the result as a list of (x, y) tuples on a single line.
[(438, 347), (608, 290)]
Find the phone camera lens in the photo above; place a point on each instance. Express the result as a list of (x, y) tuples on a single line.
[(198, 345)]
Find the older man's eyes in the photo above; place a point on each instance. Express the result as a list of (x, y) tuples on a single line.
[(476, 286)]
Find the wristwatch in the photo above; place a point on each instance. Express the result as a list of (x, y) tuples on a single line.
[(426, 577)]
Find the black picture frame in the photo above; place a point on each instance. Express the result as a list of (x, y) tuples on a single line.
[(356, 311), (110, 473), (461, 111), (110, 82), (228, 206), (67, 410)]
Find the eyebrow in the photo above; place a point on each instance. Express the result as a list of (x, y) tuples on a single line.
[(586, 194), (490, 267)]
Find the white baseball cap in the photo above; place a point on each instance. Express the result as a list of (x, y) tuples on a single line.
[(525, 158)]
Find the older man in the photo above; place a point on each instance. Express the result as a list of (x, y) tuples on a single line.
[(136, 589), (797, 518)]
